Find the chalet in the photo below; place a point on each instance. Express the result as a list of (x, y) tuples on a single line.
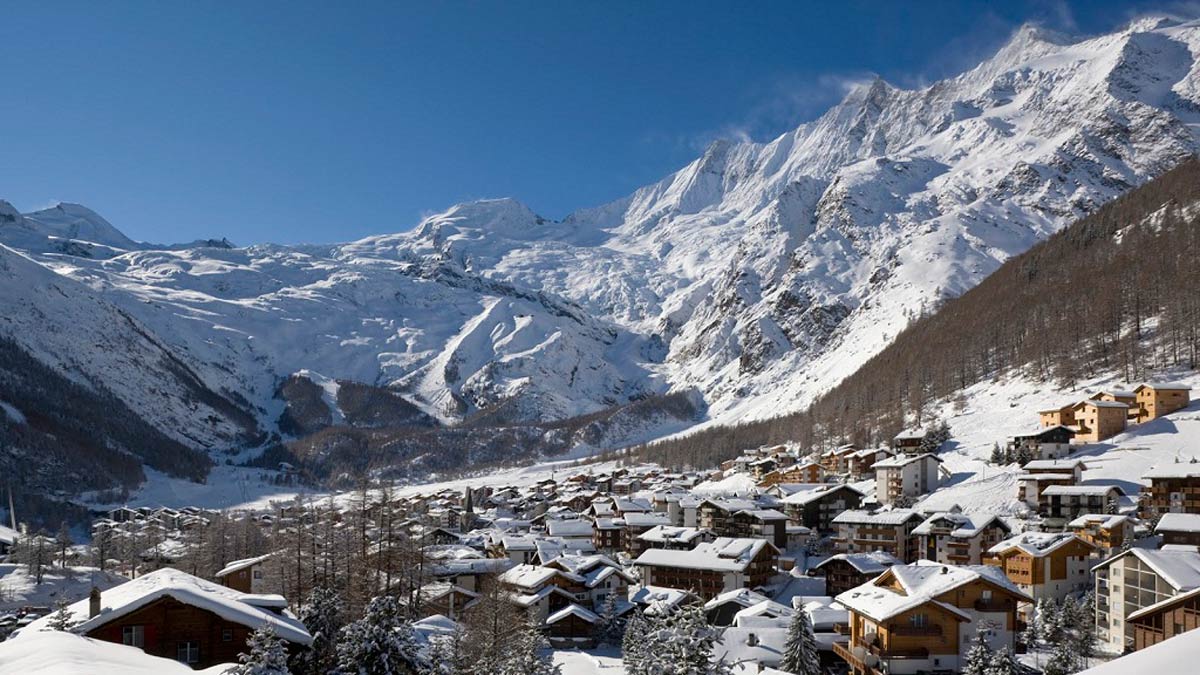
[(1174, 488), (888, 531), (816, 506), (861, 463), (906, 476), (849, 570), (1165, 619), (1047, 565), (1137, 579), (248, 575), (660, 601), (837, 461), (721, 610), (1065, 503), (1048, 443), (804, 472), (1160, 398), (1054, 417), (1031, 488), (714, 514), (1075, 467), (1096, 421), (175, 615), (638, 523), (955, 538), (909, 441), (608, 535), (766, 524), (1108, 533), (759, 468), (711, 568), (574, 529), (1179, 529), (925, 616), (447, 599)]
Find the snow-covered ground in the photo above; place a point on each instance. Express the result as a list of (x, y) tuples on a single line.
[(995, 411), (600, 661), (19, 589), (61, 653)]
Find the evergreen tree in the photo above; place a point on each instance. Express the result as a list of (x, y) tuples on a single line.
[(267, 655), (62, 619), (681, 643), (1061, 661), (321, 614), (1003, 663), (528, 656), (63, 542), (380, 643), (979, 656), (997, 455), (800, 652), (611, 627), (633, 642)]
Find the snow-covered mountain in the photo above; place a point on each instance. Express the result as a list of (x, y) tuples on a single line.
[(760, 274)]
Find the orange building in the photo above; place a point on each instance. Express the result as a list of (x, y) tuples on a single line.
[(1160, 398)]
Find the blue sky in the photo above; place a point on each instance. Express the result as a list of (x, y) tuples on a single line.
[(294, 122)]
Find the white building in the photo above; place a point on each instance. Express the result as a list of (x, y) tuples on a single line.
[(906, 476), (1135, 579)]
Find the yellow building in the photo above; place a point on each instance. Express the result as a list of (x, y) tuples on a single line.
[(1098, 420), (1156, 399)]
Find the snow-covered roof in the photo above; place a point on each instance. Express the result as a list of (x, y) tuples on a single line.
[(766, 608), (660, 598), (1037, 544), (647, 519), (1180, 470), (8, 535), (1180, 568), (670, 533), (1055, 465), (1163, 386), (1086, 490), (964, 525), (892, 517), (59, 653), (528, 576), (572, 610), (1101, 404), (738, 646), (1166, 602), (739, 596), (569, 528), (806, 493), (225, 602), (728, 554), (910, 434), (242, 564), (1178, 522), (1104, 520), (1045, 477), (905, 460), (874, 562), (1164, 657), (922, 582)]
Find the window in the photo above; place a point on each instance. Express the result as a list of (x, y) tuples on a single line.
[(257, 574), (918, 620), (227, 635), (188, 652), (987, 596), (134, 636)]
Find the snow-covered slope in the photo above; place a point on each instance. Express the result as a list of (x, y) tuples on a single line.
[(759, 274)]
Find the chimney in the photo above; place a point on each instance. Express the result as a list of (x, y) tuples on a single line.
[(752, 640), (94, 603), (945, 570)]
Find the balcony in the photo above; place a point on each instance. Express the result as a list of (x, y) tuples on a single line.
[(995, 606), (914, 631)]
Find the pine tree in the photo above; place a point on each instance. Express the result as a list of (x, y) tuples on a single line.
[(321, 614), (611, 627), (681, 643), (997, 455), (979, 656), (380, 643), (528, 655), (267, 655), (1061, 661), (1003, 663), (62, 619), (63, 542), (633, 642), (800, 652)]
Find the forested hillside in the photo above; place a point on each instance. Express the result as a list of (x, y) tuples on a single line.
[(1116, 292)]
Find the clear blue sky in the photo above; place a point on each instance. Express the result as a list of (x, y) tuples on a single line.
[(296, 121)]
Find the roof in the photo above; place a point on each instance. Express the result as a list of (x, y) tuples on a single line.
[(572, 610), (528, 576), (1180, 470), (874, 562), (1038, 544), (965, 525), (1105, 520), (814, 491), (1055, 464), (1164, 386), (893, 517), (1082, 490), (242, 564), (904, 460), (647, 519), (658, 598), (735, 646), (670, 533), (910, 434), (740, 596), (922, 582), (58, 653), (569, 528), (1164, 657), (1180, 568), (225, 602), (1178, 522), (727, 554)]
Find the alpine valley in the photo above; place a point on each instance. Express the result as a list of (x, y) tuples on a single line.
[(740, 287)]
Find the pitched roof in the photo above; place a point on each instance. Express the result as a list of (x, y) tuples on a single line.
[(1163, 386), (237, 565), (874, 562), (726, 554), (965, 525), (1180, 568), (893, 517), (904, 460), (572, 610), (1180, 470), (921, 582), (225, 602), (1038, 544), (1178, 522)]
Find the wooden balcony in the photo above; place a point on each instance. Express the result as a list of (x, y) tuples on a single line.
[(995, 606), (914, 631), (866, 664)]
